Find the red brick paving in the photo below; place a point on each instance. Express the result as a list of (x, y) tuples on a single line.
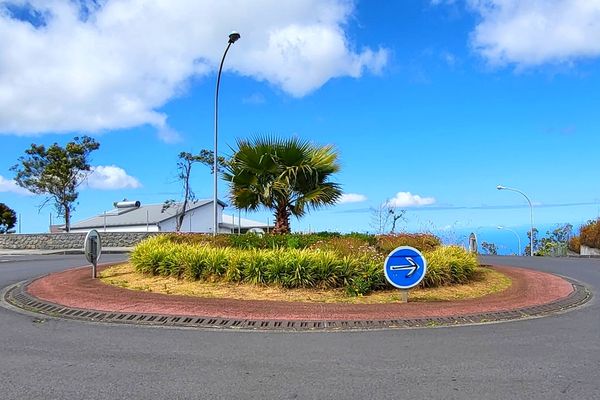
[(75, 288)]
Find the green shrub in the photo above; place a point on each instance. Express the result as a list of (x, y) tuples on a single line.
[(148, 254), (447, 265), (420, 241), (590, 234), (348, 246), (329, 265)]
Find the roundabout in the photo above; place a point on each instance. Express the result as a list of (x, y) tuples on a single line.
[(554, 357), (73, 294)]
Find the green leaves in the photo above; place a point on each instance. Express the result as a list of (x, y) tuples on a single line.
[(290, 268), (287, 176), (8, 218), (334, 262), (56, 172)]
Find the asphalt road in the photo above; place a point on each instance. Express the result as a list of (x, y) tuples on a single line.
[(555, 357)]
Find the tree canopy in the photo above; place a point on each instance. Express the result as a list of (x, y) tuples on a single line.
[(56, 172), (286, 176), (8, 218)]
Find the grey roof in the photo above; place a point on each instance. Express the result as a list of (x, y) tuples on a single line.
[(150, 214)]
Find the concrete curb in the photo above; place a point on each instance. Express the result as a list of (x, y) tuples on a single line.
[(17, 296)]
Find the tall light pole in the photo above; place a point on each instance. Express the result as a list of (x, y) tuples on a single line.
[(233, 37), (500, 187), (516, 234)]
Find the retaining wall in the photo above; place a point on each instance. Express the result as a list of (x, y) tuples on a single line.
[(589, 251), (60, 241)]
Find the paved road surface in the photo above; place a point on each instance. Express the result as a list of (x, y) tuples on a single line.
[(555, 357)]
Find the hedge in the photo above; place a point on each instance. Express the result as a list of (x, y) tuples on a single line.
[(290, 268)]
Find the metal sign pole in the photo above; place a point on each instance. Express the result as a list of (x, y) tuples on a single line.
[(404, 296), (92, 248)]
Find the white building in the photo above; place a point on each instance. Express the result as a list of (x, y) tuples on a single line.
[(135, 217)]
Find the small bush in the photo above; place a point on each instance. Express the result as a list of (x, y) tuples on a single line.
[(447, 265), (590, 234), (420, 241)]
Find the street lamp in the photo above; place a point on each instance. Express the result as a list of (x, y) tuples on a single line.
[(500, 187), (233, 37), (516, 234)]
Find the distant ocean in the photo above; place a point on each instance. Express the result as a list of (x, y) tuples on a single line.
[(505, 240)]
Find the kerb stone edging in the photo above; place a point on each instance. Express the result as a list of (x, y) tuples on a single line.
[(18, 296)]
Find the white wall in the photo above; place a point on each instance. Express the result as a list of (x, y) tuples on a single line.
[(131, 228), (589, 251), (197, 220)]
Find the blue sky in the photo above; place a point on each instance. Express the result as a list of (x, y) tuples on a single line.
[(431, 104)]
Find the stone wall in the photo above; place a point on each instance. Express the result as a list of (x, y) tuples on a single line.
[(63, 241), (589, 251)]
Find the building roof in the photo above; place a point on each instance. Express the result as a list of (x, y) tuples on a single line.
[(150, 214)]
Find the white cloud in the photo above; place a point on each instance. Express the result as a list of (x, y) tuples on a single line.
[(9, 186), (407, 199), (111, 177), (105, 65), (352, 198), (534, 32)]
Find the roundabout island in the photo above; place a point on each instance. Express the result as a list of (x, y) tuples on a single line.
[(74, 294)]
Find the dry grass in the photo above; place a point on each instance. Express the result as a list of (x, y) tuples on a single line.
[(486, 281)]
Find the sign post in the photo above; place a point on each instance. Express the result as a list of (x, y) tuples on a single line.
[(92, 248), (405, 268)]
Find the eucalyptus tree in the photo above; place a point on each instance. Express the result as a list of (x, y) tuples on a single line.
[(56, 172)]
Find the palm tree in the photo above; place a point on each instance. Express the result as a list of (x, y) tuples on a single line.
[(287, 176)]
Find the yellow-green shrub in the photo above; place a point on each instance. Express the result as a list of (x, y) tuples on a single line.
[(420, 241), (447, 265), (291, 268)]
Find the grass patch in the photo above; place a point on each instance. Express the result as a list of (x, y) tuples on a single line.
[(485, 281)]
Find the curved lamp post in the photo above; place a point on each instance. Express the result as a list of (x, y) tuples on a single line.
[(516, 234), (500, 187), (233, 37)]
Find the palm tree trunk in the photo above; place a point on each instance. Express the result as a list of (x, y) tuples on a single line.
[(282, 219)]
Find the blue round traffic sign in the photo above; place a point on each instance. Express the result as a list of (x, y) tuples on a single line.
[(405, 267)]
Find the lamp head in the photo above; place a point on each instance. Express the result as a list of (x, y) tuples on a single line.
[(233, 37), (500, 187)]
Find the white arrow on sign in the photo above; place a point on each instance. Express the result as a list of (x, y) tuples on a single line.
[(411, 267)]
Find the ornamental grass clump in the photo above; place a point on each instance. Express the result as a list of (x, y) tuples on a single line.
[(347, 263), (420, 241), (449, 265), (149, 253), (289, 268)]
